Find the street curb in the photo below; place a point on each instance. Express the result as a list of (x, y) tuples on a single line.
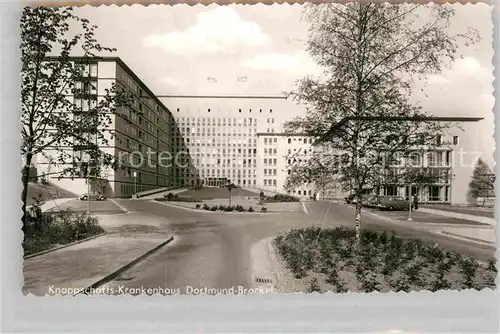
[(121, 207), (118, 271), (64, 246), (223, 212), (468, 238)]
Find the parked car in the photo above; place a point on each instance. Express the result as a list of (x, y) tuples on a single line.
[(93, 197), (392, 203), (370, 201), (353, 199)]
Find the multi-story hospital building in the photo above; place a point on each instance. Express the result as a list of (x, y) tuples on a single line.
[(217, 140)]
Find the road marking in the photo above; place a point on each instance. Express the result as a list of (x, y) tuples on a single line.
[(119, 205), (305, 208)]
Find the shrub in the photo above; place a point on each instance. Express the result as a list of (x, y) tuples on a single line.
[(169, 197), (214, 208), (206, 207), (221, 207), (44, 231), (314, 286), (281, 198), (228, 209), (250, 209), (264, 209), (198, 206), (239, 208)]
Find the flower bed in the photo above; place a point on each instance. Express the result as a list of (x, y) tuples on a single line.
[(237, 208), (328, 259), (45, 231), (176, 198), (280, 199)]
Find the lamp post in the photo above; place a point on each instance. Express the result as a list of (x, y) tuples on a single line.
[(229, 188), (135, 184), (410, 200), (88, 194)]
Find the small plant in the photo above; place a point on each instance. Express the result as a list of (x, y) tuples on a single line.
[(264, 209), (492, 265), (239, 208), (250, 209), (221, 207), (468, 268), (198, 206), (228, 208), (314, 286), (369, 282), (214, 208), (206, 207)]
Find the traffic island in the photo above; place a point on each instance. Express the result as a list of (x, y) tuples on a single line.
[(319, 260)]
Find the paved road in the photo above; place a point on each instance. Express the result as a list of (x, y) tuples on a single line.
[(212, 249)]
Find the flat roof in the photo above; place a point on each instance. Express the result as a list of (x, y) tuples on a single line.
[(256, 97), (282, 134), (127, 69)]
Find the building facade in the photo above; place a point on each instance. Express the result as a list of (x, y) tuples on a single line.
[(223, 137), (217, 140), (141, 130)]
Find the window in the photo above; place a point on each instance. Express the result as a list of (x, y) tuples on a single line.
[(93, 70), (438, 140), (455, 140)]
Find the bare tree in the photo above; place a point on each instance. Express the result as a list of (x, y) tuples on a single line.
[(371, 54)]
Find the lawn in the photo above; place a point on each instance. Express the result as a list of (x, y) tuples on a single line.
[(46, 192), (212, 193), (328, 260), (77, 205)]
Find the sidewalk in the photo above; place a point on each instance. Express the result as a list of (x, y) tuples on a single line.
[(486, 235), (453, 226), (479, 219), (81, 265)]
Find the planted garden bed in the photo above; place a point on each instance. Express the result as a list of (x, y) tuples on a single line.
[(279, 198), (328, 260), (228, 208), (176, 198), (45, 231)]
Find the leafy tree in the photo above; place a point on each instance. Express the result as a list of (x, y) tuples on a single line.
[(51, 120), (371, 54), (483, 182)]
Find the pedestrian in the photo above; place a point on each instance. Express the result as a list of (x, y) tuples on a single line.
[(415, 202)]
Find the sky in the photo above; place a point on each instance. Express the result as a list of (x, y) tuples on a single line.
[(260, 50)]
